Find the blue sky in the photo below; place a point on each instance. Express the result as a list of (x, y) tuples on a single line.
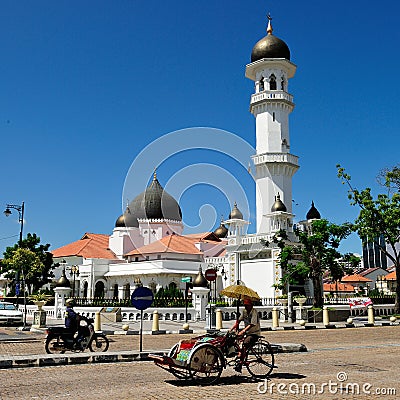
[(85, 86)]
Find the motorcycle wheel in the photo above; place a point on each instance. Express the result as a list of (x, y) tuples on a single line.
[(99, 343), (55, 345)]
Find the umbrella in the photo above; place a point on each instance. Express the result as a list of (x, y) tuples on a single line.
[(239, 292)]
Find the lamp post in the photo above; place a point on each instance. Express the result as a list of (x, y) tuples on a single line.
[(73, 271), (7, 213)]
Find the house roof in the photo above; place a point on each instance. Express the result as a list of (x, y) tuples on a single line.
[(169, 244), (91, 245), (391, 276), (339, 287), (204, 236), (174, 244), (368, 271), (355, 278)]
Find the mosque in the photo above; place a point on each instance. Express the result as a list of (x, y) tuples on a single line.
[(147, 245)]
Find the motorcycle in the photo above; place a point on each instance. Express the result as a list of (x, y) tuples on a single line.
[(59, 339)]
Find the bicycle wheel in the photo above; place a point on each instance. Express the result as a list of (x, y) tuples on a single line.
[(99, 343), (260, 359), (55, 345), (205, 365)]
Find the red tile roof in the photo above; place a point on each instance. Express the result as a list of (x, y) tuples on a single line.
[(340, 287), (391, 276), (91, 245), (204, 236), (355, 278), (172, 244)]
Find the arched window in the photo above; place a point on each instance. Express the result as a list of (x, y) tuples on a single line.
[(272, 82), (99, 290), (283, 83), (115, 291), (85, 290), (261, 84), (172, 285)]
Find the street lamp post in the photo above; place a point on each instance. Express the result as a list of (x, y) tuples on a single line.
[(7, 213), (74, 271)]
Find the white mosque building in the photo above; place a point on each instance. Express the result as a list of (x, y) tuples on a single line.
[(147, 244)]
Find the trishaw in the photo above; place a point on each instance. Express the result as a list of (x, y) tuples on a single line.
[(203, 358)]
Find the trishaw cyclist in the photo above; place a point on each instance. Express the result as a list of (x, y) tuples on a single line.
[(251, 330)]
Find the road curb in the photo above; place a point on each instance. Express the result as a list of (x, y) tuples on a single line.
[(47, 360)]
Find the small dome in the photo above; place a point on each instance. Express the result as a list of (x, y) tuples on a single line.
[(313, 213), (235, 213), (200, 280), (278, 205), (270, 47), (155, 203), (63, 281), (221, 231), (127, 219)]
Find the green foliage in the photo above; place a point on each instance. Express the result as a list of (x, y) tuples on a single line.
[(378, 217), (170, 296), (31, 257), (390, 177), (315, 253)]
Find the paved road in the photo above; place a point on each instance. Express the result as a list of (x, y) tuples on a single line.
[(364, 358)]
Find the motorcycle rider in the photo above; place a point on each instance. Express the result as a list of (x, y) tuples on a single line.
[(72, 320)]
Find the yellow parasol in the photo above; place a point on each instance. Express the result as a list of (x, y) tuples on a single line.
[(239, 292)]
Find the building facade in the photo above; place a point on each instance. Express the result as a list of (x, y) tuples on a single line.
[(147, 245)]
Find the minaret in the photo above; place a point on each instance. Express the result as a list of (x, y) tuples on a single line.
[(271, 104)]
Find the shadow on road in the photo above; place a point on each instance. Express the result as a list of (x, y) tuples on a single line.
[(235, 379)]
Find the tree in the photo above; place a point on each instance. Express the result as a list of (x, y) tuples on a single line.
[(380, 216), (390, 177), (315, 253), (37, 267)]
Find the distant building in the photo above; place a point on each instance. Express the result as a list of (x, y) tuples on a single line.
[(373, 257)]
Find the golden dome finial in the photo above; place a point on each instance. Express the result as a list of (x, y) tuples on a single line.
[(155, 174), (269, 28)]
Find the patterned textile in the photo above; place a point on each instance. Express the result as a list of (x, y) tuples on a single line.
[(183, 355)]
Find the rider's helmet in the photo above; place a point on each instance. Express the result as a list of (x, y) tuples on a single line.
[(70, 302)]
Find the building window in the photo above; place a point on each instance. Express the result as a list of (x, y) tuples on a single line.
[(127, 291), (272, 82), (136, 259), (261, 85), (283, 83)]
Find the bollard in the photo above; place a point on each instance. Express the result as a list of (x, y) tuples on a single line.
[(156, 325), (97, 322), (325, 316), (218, 319), (275, 319), (371, 317)]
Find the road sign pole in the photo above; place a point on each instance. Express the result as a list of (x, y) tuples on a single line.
[(141, 331)]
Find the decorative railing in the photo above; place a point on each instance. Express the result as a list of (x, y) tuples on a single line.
[(114, 302), (271, 95)]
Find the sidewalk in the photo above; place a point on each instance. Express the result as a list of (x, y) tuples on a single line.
[(175, 327)]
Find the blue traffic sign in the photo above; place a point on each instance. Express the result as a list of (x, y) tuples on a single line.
[(17, 289), (142, 297)]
